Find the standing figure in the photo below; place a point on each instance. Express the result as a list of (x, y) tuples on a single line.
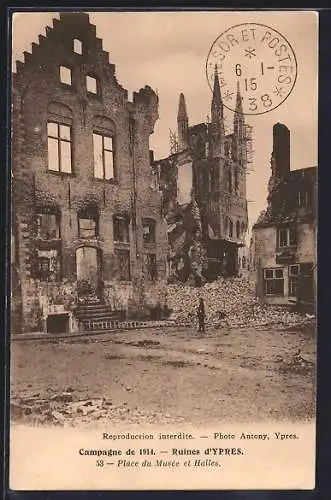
[(201, 315)]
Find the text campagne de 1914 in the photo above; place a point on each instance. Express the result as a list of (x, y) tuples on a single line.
[(176, 449)]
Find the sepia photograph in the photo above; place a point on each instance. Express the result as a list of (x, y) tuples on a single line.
[(163, 249)]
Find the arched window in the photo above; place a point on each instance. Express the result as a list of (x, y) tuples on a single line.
[(200, 147), (193, 141), (104, 148), (236, 181), (238, 229), (59, 136), (226, 226), (230, 228), (230, 180), (243, 229)]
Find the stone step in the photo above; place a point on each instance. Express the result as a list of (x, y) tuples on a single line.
[(94, 307), (98, 316)]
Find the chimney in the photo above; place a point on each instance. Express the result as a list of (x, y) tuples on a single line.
[(281, 150)]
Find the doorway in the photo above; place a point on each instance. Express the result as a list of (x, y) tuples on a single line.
[(88, 270)]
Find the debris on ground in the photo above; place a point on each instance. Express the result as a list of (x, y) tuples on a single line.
[(56, 412), (296, 364), (229, 302)]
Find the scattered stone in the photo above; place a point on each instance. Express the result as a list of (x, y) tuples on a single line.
[(93, 402), (58, 416), (297, 364), (18, 410), (65, 397)]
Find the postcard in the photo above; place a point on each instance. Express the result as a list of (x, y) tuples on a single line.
[(164, 263)]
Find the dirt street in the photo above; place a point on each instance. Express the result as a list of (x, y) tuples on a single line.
[(166, 376)]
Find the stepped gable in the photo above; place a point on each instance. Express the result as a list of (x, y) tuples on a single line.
[(61, 34)]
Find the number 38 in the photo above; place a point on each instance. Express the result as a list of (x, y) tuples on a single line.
[(266, 101)]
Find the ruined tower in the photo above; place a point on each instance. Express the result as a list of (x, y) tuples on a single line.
[(239, 128), (239, 147), (182, 123), (213, 247), (217, 119)]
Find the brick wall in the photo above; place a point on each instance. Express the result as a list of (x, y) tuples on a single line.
[(37, 96)]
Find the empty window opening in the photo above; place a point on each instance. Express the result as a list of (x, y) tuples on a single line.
[(304, 198), (214, 178), (49, 266), (91, 84), (121, 229), (238, 229), (148, 231), (59, 147), (48, 227), (230, 181), (103, 152), (65, 75), (44, 266), (230, 228), (236, 181), (78, 47)]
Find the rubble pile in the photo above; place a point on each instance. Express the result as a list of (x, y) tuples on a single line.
[(296, 364), (63, 410), (229, 302)]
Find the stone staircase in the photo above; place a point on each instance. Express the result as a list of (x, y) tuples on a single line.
[(97, 316)]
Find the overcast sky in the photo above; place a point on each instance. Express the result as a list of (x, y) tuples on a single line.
[(168, 51)]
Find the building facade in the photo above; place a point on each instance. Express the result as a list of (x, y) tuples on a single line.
[(86, 226), (204, 186), (284, 237)]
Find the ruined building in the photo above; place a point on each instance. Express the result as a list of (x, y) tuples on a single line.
[(88, 240), (284, 237), (203, 182)]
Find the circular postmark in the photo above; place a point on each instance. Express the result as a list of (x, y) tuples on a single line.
[(260, 60)]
